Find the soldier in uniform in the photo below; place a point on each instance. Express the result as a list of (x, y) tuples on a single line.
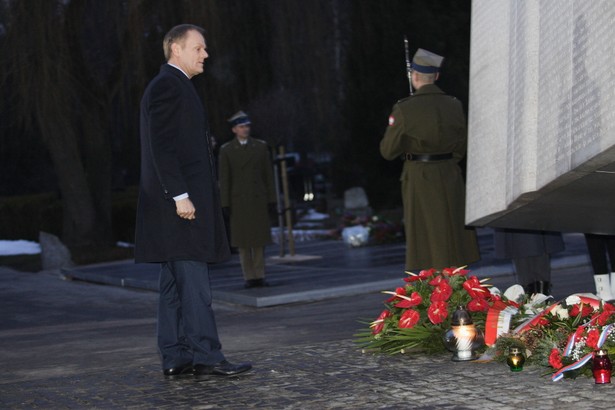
[(247, 194), (428, 131), (600, 247)]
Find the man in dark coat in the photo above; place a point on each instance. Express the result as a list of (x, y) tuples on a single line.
[(601, 250), (428, 131), (179, 218), (530, 252), (247, 189)]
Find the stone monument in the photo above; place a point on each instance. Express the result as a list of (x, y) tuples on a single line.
[(541, 129), (54, 254)]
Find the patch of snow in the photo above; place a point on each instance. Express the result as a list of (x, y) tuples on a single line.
[(19, 247), (312, 215)]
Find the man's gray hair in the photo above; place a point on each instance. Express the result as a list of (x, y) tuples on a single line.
[(177, 35)]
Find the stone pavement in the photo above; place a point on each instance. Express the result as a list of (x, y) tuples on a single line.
[(79, 345)]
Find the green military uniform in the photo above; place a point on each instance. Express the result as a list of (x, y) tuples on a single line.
[(433, 190), (246, 188)]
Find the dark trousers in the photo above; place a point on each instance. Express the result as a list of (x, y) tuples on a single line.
[(533, 268), (187, 331), (599, 246)]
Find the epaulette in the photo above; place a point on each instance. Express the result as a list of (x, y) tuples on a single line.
[(261, 141), (404, 99)]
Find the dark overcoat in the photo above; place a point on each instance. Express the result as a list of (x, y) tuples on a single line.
[(176, 158), (433, 193), (247, 189), (516, 243)]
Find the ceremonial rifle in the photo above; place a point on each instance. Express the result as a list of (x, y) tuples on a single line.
[(408, 65)]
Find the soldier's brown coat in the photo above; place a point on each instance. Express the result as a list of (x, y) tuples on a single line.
[(246, 188), (431, 122)]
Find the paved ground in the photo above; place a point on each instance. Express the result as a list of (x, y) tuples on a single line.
[(75, 344)]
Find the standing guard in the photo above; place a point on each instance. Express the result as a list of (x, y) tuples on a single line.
[(247, 194), (428, 130)]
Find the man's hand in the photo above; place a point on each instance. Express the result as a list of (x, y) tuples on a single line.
[(185, 208)]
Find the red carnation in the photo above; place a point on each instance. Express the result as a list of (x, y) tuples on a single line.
[(555, 360), (540, 321), (582, 308), (607, 311), (592, 338)]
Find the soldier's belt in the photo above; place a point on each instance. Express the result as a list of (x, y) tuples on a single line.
[(427, 157)]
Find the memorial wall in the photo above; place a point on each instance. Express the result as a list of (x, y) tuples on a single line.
[(541, 115)]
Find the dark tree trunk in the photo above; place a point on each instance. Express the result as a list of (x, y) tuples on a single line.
[(47, 83)]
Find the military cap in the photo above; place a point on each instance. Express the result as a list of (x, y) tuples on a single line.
[(239, 118), (426, 62)]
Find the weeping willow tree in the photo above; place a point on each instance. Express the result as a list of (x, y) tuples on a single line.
[(69, 72), (52, 100)]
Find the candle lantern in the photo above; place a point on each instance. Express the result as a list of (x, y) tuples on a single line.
[(463, 338), (601, 367), (515, 359)]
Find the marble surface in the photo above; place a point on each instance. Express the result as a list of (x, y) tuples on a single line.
[(541, 112)]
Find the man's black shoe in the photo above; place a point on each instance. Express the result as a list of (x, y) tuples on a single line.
[(256, 283), (224, 368), (251, 283), (178, 372)]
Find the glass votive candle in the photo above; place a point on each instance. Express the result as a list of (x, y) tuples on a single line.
[(601, 367), (515, 359)]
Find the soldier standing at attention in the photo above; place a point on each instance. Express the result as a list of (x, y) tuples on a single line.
[(247, 193), (428, 130)]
